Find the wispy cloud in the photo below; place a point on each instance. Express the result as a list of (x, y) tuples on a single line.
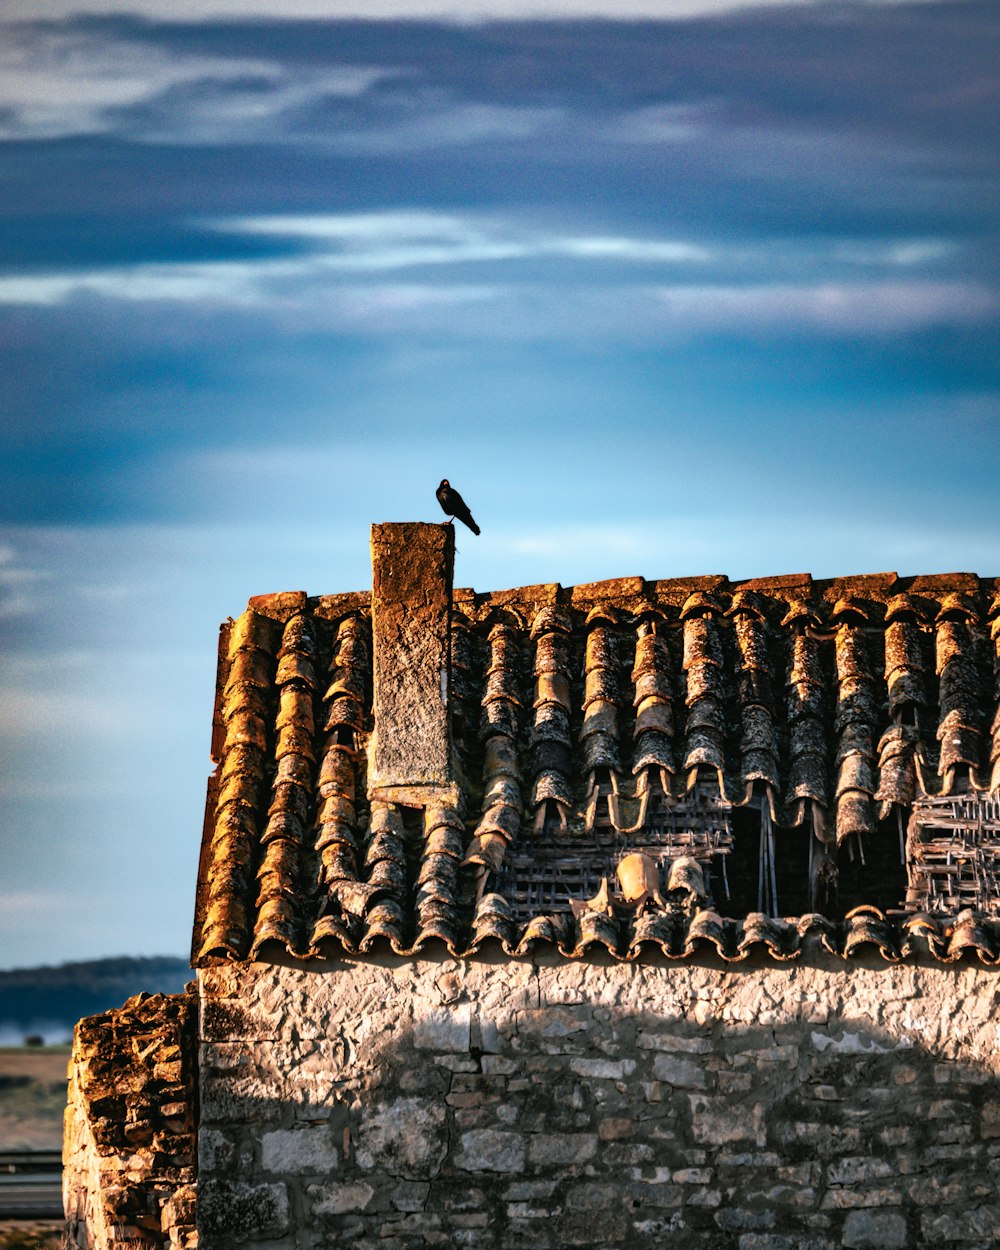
[(386, 10), (667, 122), (40, 714), (343, 272), (56, 83), (15, 905), (17, 583), (422, 122), (835, 307), (308, 294), (394, 240)]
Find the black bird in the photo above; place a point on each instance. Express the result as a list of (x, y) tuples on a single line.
[(455, 506)]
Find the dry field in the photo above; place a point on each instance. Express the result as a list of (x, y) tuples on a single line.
[(32, 1098), (30, 1235)]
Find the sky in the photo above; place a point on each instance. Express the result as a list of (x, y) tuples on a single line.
[(663, 288)]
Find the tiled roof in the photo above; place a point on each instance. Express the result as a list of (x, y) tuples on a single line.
[(832, 702)]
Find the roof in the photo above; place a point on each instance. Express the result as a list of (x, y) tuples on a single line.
[(591, 717)]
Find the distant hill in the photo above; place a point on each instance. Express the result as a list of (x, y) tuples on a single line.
[(49, 1000)]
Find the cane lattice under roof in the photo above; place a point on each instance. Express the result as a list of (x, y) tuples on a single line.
[(600, 716)]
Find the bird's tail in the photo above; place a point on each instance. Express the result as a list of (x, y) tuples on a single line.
[(475, 528)]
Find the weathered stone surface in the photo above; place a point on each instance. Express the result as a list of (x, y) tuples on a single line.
[(337, 1197), (608, 1112), (681, 1073), (603, 1069), (491, 1150), (237, 1209), (410, 1195), (308, 1148), (885, 1230), (853, 1171), (561, 1150), (990, 1127), (412, 567), (406, 1138), (129, 1144), (714, 1124), (445, 1030)]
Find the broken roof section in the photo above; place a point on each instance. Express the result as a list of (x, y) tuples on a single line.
[(516, 745)]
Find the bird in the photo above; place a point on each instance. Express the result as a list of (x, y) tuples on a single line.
[(454, 505)]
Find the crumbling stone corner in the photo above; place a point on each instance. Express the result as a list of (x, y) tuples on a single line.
[(129, 1136)]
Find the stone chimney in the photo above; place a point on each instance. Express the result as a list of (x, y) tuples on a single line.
[(411, 758)]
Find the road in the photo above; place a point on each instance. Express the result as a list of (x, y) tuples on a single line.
[(30, 1184)]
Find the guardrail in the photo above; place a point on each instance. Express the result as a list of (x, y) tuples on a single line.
[(31, 1185)]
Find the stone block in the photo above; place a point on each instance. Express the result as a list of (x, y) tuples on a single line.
[(593, 1196), (791, 1195), (879, 1230), (735, 1219), (490, 1150), (554, 1022), (523, 1191), (309, 1148), (946, 1109), (406, 1138), (628, 1154), (659, 1195), (529, 1211), (216, 1151), (857, 1170), (847, 1199), (681, 1073), (660, 1229), (693, 1176), (715, 1123), (410, 1195), (603, 1069), (674, 1043), (497, 1065), (446, 1030), (561, 1150), (989, 1125), (339, 1197), (237, 1209)]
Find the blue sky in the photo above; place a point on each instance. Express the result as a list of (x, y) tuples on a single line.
[(663, 288)]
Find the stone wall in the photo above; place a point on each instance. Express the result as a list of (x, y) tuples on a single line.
[(128, 1147), (551, 1104)]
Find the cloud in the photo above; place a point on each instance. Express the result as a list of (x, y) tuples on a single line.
[(383, 241), (42, 714), (230, 282), (659, 123), (17, 584), (464, 11), (423, 123), (830, 307), (645, 251), (395, 240), (342, 272), (56, 83), (17, 905), (309, 294)]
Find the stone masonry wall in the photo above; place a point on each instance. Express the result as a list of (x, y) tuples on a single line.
[(551, 1104), (128, 1146)]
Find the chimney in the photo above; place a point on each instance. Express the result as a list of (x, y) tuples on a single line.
[(411, 760)]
